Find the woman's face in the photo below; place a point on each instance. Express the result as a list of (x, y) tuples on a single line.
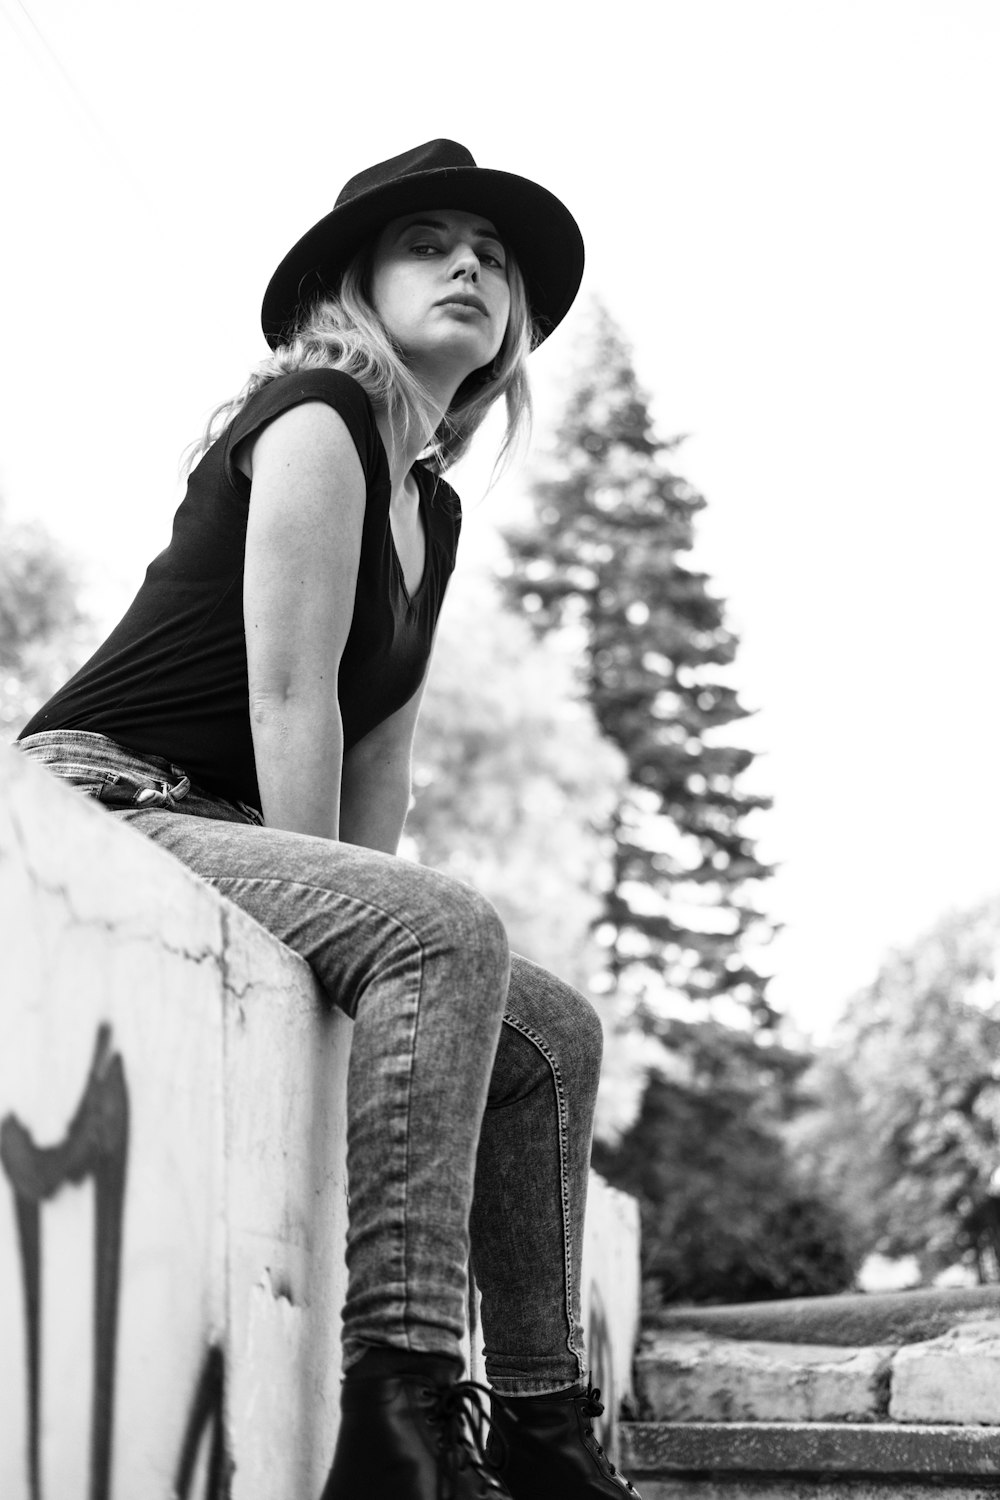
[(439, 284)]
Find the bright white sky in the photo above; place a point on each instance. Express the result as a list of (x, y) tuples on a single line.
[(792, 208)]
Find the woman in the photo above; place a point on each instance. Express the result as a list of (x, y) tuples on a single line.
[(253, 713)]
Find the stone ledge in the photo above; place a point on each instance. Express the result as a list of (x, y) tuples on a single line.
[(851, 1318), (686, 1378), (136, 996), (955, 1378), (815, 1487), (929, 1358), (829, 1449)]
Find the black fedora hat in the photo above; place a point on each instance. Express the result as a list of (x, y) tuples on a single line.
[(540, 232)]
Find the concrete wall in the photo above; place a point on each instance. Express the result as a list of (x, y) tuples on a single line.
[(611, 1298), (172, 1192)]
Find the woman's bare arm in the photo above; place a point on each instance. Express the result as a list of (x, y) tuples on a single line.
[(375, 792), (307, 506)]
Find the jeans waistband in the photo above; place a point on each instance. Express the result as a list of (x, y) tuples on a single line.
[(121, 778)]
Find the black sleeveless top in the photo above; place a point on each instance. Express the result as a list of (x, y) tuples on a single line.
[(171, 678)]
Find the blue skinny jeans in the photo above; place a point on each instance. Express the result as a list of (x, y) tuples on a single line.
[(472, 1080)]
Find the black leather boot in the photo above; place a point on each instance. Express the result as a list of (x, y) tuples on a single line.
[(411, 1436), (544, 1448)]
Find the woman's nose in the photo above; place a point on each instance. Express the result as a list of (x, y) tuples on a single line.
[(466, 263)]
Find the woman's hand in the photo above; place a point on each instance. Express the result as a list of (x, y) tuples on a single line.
[(307, 506)]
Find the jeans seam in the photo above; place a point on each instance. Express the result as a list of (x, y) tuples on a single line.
[(308, 885), (414, 1029), (560, 1093)]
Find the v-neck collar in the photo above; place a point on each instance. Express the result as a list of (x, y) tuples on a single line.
[(420, 477)]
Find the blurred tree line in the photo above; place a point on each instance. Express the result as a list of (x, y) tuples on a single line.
[(578, 761), (903, 1129), (44, 633)]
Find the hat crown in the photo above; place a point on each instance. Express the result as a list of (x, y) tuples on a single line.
[(432, 156)]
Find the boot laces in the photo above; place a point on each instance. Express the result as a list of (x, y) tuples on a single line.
[(592, 1406), (459, 1414)]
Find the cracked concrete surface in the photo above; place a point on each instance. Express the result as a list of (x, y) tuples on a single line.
[(236, 1080), (236, 1191), (146, 898)]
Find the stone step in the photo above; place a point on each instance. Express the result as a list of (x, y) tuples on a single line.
[(889, 1398), (848, 1318), (797, 1460), (692, 1374), (688, 1378)]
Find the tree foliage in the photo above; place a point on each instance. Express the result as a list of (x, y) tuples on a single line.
[(602, 558), (725, 1214), (43, 631), (512, 782), (602, 563), (905, 1128)]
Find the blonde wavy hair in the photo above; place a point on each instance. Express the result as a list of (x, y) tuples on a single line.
[(342, 331)]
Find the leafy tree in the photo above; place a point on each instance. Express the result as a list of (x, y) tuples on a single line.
[(512, 782), (725, 1214), (602, 559), (905, 1128), (601, 563), (43, 632)]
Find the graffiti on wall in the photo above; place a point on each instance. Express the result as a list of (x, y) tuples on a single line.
[(602, 1370), (95, 1146), (206, 1419)]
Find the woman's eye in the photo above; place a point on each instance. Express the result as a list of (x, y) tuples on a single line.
[(489, 259)]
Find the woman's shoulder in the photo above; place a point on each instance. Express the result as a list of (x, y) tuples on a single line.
[(334, 387)]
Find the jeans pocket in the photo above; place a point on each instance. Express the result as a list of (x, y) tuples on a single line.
[(89, 780), (140, 792), (118, 789)]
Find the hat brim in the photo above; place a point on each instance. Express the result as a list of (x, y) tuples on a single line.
[(537, 228)]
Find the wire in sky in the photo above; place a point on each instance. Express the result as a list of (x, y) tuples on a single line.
[(77, 95)]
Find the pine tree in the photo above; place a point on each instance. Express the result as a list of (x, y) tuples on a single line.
[(603, 556)]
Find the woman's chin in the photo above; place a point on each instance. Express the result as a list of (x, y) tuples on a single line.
[(454, 360)]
